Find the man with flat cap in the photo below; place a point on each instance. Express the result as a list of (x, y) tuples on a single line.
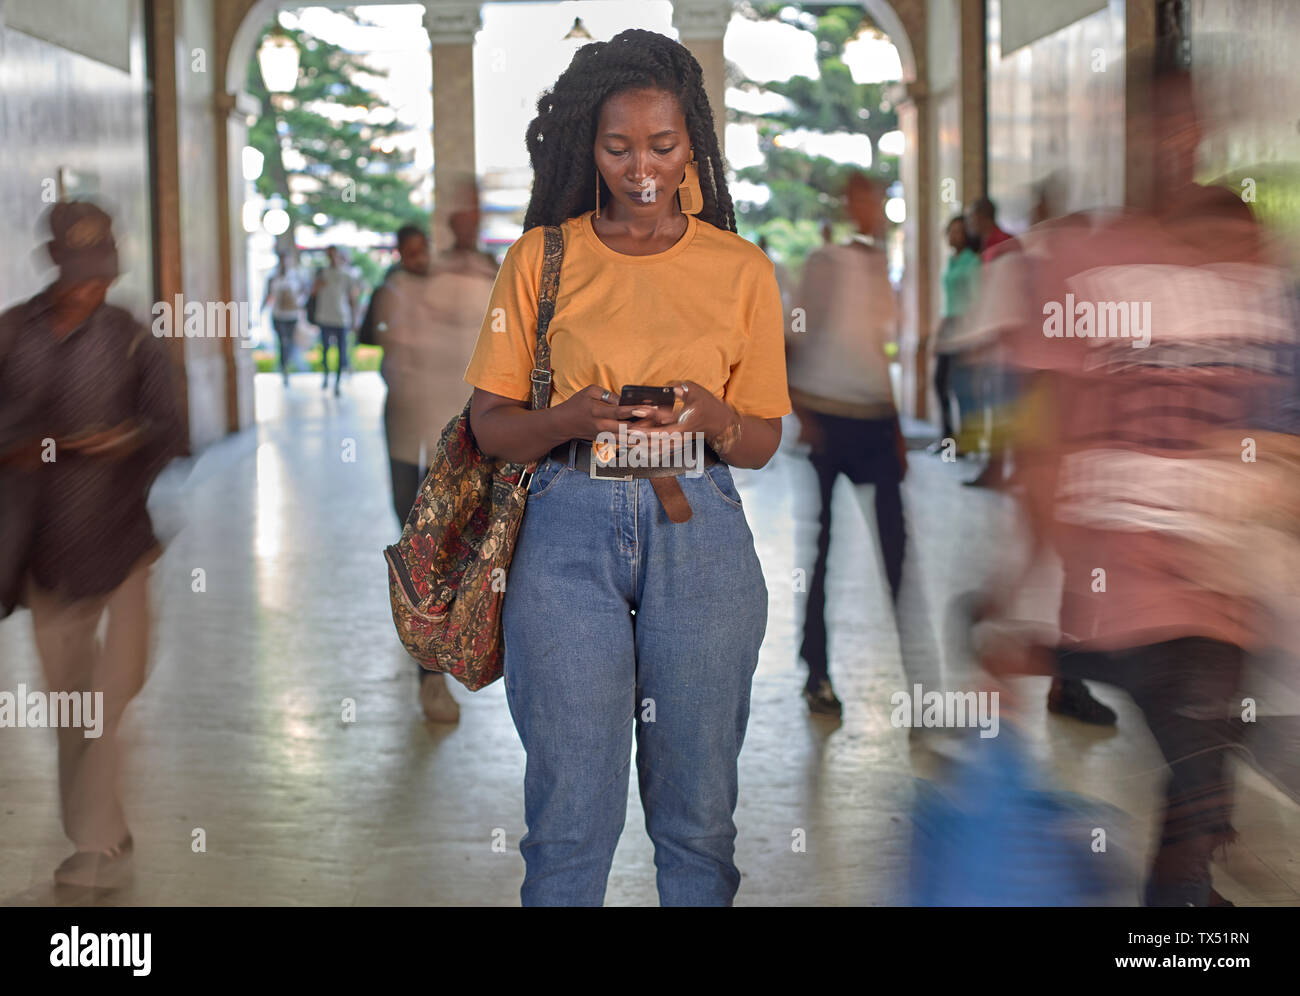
[(88, 417)]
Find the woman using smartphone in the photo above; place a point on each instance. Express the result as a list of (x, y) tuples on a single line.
[(635, 603)]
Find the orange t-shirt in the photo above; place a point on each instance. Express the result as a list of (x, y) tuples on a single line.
[(707, 309)]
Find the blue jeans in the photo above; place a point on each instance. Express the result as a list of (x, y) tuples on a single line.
[(583, 674), (284, 329)]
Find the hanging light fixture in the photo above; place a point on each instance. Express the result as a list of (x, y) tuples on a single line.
[(871, 57), (278, 59), (578, 32)]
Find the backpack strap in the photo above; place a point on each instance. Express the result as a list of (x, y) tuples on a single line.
[(552, 257)]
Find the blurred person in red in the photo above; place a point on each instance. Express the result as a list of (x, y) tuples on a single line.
[(88, 417), (1158, 343), (981, 220)]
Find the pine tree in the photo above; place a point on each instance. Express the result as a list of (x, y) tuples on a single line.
[(352, 177), (806, 188)]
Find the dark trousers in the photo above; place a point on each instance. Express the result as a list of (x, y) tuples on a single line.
[(339, 336), (1183, 688), (943, 394), (284, 328), (866, 452), (406, 486)]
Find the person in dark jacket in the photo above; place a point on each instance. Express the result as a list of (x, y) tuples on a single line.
[(88, 417)]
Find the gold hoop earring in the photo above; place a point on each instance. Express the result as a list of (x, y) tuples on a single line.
[(689, 194)]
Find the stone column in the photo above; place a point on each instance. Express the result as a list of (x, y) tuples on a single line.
[(169, 274), (701, 25), (914, 119), (974, 98), (452, 25), (233, 112)]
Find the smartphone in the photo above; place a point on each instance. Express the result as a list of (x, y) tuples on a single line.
[(647, 397)]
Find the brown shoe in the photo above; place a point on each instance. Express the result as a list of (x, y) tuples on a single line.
[(822, 700), (436, 700), (110, 869)]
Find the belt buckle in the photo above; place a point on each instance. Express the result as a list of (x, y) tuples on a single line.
[(594, 468)]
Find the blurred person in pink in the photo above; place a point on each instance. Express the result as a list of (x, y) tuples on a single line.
[(1157, 342)]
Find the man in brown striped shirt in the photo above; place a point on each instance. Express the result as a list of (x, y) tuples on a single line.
[(88, 417)]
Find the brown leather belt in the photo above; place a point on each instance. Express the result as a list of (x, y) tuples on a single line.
[(662, 479), (582, 461)]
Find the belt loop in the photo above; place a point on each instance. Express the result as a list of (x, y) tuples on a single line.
[(573, 453)]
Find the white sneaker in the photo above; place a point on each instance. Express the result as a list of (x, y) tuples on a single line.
[(436, 699)]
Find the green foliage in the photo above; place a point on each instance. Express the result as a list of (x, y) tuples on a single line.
[(790, 242), (371, 270), (805, 188), (357, 180), (360, 359)]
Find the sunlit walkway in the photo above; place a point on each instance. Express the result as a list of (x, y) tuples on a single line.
[(239, 731)]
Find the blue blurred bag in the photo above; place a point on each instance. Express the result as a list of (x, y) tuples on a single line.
[(992, 837)]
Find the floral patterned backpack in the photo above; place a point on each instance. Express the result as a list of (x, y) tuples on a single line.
[(446, 575)]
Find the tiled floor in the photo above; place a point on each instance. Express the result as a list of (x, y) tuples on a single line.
[(239, 730)]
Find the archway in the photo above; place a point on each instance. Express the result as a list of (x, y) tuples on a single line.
[(452, 25)]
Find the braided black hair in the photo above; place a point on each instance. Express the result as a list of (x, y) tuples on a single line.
[(561, 137)]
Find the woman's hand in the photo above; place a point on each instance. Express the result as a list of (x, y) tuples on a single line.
[(594, 410), (701, 411)]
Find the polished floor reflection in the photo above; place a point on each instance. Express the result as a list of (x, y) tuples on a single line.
[(240, 731)]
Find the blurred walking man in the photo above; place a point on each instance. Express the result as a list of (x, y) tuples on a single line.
[(428, 322), (88, 417), (840, 390)]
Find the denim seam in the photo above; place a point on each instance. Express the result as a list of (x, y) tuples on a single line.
[(721, 494), (634, 562), (682, 794), (549, 484)]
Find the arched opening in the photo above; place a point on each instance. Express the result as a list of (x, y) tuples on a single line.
[(815, 94), (453, 27), (335, 155)]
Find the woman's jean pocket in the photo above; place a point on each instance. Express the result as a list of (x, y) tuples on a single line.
[(546, 477), (720, 479)]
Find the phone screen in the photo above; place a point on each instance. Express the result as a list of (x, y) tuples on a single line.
[(650, 397)]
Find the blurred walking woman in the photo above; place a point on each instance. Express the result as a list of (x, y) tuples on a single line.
[(625, 611)]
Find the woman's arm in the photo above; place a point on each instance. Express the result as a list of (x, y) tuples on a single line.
[(759, 438), (509, 430), (741, 440)]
